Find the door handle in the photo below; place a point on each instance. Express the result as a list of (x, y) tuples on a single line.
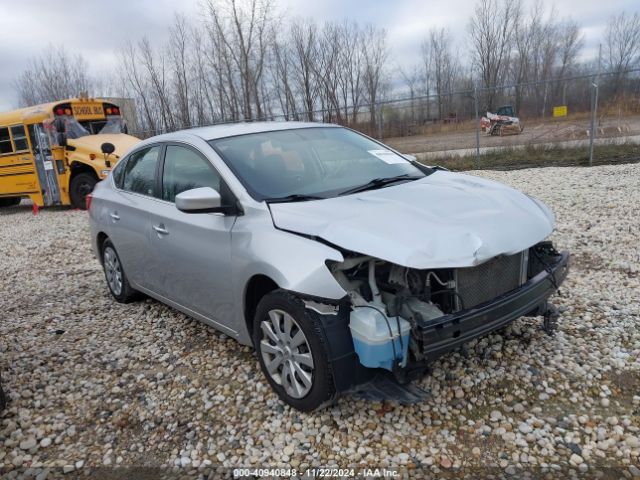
[(114, 216), (160, 230)]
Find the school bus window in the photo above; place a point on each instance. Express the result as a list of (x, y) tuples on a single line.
[(5, 141), (19, 138)]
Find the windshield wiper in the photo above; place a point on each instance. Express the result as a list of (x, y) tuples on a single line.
[(379, 182), (296, 197)]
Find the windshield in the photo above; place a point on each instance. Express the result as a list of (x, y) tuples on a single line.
[(71, 128), (310, 162), (74, 129), (115, 124)]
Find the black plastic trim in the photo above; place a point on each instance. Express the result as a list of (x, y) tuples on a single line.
[(445, 333)]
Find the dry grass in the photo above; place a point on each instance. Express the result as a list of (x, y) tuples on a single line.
[(541, 156)]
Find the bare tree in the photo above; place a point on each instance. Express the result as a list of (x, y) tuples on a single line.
[(444, 67), (350, 71), (622, 46), (427, 75), (491, 30), (54, 75), (304, 52), (241, 27), (156, 70), (412, 79), (137, 85), (374, 45), (571, 41), (281, 68), (178, 48)]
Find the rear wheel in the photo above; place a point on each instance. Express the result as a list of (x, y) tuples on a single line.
[(114, 273), (292, 351), (81, 186), (9, 201)]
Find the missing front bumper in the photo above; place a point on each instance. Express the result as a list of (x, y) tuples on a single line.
[(443, 334)]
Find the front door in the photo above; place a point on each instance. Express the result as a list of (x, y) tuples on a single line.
[(192, 249), (44, 165)]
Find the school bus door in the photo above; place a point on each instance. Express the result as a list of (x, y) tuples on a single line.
[(45, 165)]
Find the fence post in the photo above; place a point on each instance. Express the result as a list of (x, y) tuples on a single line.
[(594, 112), (379, 109), (475, 100)]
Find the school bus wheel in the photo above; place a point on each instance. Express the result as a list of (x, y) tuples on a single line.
[(81, 185), (9, 201)]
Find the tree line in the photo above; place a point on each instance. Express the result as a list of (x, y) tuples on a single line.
[(242, 61)]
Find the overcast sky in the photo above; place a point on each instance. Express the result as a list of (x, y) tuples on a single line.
[(96, 29)]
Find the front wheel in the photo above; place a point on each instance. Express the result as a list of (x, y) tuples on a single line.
[(292, 351), (81, 186)]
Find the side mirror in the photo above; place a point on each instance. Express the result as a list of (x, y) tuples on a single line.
[(199, 200), (107, 148)]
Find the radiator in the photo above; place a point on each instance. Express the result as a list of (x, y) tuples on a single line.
[(476, 285)]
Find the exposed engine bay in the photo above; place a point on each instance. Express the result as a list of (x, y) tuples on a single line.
[(390, 304)]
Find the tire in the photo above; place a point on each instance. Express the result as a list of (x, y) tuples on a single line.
[(81, 185), (9, 201), (277, 309), (117, 280)]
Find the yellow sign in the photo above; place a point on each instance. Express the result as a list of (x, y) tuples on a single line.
[(560, 111), (88, 111)]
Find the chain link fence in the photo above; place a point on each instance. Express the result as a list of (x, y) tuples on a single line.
[(585, 118)]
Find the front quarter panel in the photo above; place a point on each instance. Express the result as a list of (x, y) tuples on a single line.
[(294, 262)]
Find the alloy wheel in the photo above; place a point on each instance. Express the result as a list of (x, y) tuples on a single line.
[(113, 270), (286, 353)]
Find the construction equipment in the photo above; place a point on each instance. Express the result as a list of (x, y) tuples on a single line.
[(503, 122)]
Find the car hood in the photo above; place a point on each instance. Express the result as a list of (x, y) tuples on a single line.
[(445, 220), (92, 143)]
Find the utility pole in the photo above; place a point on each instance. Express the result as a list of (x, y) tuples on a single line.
[(594, 106)]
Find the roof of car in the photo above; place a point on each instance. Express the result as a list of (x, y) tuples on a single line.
[(215, 132), (232, 129)]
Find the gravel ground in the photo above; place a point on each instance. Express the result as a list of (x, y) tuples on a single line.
[(94, 383)]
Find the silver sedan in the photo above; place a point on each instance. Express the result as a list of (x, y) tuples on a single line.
[(339, 259)]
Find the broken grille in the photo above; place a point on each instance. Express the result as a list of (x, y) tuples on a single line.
[(476, 285)]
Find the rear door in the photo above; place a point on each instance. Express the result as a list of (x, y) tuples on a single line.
[(128, 212), (192, 252)]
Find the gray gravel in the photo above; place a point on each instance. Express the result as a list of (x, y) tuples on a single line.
[(95, 383)]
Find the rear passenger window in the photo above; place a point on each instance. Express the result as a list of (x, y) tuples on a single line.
[(118, 172), (185, 169), (140, 171), (5, 141), (19, 138)]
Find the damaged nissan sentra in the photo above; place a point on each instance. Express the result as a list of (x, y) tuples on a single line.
[(335, 256)]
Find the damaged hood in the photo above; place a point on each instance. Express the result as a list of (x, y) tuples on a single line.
[(445, 220)]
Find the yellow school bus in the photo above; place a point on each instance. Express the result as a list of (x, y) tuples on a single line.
[(53, 153)]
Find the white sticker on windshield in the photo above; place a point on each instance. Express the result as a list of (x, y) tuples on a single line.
[(387, 156)]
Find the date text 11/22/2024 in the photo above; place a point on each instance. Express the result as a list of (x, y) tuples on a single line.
[(317, 473)]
